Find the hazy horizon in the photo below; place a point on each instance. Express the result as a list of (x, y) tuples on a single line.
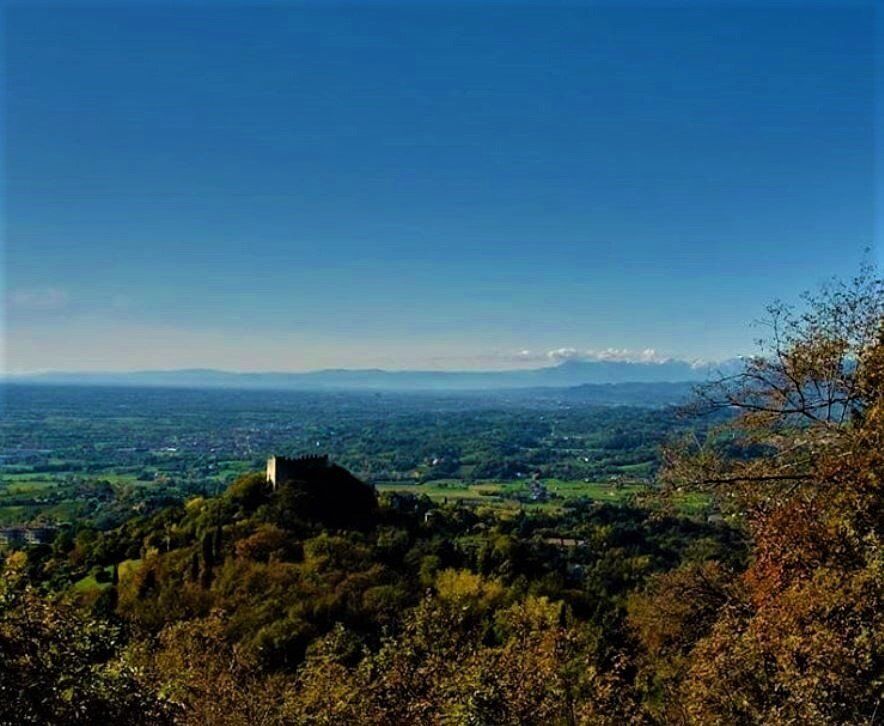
[(527, 364), (489, 362)]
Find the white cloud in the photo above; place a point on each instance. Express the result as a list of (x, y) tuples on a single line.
[(646, 355), (561, 354), (528, 357), (535, 358)]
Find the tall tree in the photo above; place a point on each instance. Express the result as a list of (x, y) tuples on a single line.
[(797, 637)]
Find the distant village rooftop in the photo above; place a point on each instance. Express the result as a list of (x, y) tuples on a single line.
[(27, 535)]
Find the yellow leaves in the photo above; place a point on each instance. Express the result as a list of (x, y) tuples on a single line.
[(468, 590), (212, 681), (195, 504), (12, 571), (807, 656), (533, 614), (433, 673), (677, 608), (328, 552), (15, 562)]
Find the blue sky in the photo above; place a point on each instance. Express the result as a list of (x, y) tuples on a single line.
[(293, 186)]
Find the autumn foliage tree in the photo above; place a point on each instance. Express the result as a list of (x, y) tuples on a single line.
[(797, 637), (61, 666), (466, 655)]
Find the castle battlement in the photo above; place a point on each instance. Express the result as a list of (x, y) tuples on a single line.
[(281, 468)]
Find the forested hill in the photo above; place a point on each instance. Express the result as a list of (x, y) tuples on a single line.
[(315, 602)]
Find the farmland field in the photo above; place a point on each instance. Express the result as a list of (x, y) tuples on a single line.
[(100, 453)]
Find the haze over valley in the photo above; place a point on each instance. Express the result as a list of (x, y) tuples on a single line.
[(565, 374)]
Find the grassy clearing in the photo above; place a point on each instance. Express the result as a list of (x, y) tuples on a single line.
[(692, 503), (115, 477), (599, 491), (125, 569), (90, 583)]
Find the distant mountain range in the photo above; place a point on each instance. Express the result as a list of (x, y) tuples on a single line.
[(567, 374)]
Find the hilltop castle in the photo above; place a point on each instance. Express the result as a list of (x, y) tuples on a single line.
[(312, 488), (281, 469)]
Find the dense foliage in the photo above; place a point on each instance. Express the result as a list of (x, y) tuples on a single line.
[(262, 606)]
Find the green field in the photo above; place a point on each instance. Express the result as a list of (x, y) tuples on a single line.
[(515, 494)]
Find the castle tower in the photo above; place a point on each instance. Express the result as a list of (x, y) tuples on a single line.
[(281, 469)]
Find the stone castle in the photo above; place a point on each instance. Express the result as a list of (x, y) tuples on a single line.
[(281, 469), (314, 489)]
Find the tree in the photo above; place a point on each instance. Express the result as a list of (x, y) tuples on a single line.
[(58, 665), (210, 680), (800, 466)]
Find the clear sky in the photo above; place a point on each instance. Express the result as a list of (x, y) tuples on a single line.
[(452, 185)]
